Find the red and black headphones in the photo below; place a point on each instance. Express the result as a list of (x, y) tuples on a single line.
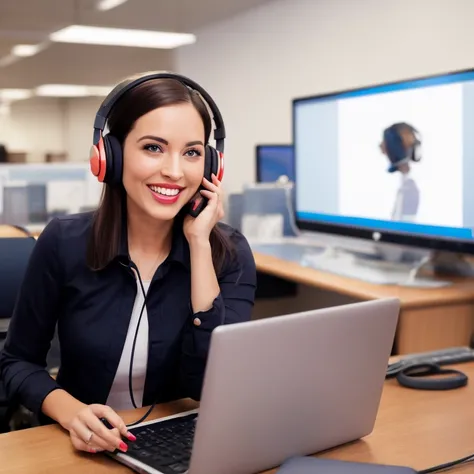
[(106, 158)]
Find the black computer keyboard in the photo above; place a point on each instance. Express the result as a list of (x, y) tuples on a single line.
[(452, 355), (165, 446)]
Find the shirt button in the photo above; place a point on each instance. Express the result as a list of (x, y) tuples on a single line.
[(197, 322)]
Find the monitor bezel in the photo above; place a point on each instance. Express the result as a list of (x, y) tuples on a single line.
[(432, 243), (258, 177)]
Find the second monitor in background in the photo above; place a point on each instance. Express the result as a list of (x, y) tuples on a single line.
[(274, 161)]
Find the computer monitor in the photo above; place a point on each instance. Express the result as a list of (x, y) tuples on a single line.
[(392, 162), (273, 161)]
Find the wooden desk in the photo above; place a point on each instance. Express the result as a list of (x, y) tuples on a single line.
[(429, 318), (414, 428)]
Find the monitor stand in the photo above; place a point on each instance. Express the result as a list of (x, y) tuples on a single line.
[(428, 271)]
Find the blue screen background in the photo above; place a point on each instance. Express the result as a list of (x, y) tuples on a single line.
[(317, 117)]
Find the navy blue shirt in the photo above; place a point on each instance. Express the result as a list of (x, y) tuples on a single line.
[(92, 310)]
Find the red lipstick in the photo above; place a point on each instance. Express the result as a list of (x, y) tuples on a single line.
[(165, 193)]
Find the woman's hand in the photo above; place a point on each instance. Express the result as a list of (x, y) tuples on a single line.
[(199, 228), (89, 433)]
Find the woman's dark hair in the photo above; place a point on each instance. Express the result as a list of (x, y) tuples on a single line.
[(105, 236)]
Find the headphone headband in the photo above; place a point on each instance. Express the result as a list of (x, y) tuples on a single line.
[(119, 90)]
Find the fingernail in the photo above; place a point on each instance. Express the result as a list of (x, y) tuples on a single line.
[(123, 447), (131, 437), (92, 450)]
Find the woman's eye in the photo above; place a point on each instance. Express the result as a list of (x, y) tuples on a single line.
[(153, 148), (193, 153)]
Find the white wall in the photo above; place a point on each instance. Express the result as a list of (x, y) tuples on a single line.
[(39, 126), (34, 126), (255, 64), (79, 127)]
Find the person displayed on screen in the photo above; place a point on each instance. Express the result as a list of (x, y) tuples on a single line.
[(402, 145), (136, 287)]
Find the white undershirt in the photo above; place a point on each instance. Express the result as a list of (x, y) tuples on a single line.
[(119, 396)]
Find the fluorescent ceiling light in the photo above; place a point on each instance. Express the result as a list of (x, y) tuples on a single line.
[(71, 90), (121, 37), (104, 5), (25, 50), (15, 94)]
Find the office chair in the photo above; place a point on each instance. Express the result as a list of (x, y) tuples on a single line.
[(14, 254)]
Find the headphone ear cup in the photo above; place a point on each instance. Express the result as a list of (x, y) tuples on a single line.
[(114, 160), (209, 164), (212, 162), (416, 155), (97, 160), (108, 159)]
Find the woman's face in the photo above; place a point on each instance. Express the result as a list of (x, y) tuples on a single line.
[(164, 161)]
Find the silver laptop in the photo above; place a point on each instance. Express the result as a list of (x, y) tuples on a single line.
[(275, 388)]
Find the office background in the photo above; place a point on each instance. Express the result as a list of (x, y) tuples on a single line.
[(253, 64), (254, 57)]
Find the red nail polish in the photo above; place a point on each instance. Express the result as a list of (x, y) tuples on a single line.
[(92, 450), (131, 437), (123, 447)]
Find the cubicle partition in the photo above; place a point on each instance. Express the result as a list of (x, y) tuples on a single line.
[(33, 193)]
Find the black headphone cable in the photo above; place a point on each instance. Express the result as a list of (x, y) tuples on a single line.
[(448, 465), (132, 355)]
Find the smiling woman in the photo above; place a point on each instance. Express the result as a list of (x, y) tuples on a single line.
[(168, 193), (137, 287), (178, 153)]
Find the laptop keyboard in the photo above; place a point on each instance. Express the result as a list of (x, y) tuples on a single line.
[(166, 445)]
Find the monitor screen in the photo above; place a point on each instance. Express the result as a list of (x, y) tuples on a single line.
[(395, 158), (274, 161)]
